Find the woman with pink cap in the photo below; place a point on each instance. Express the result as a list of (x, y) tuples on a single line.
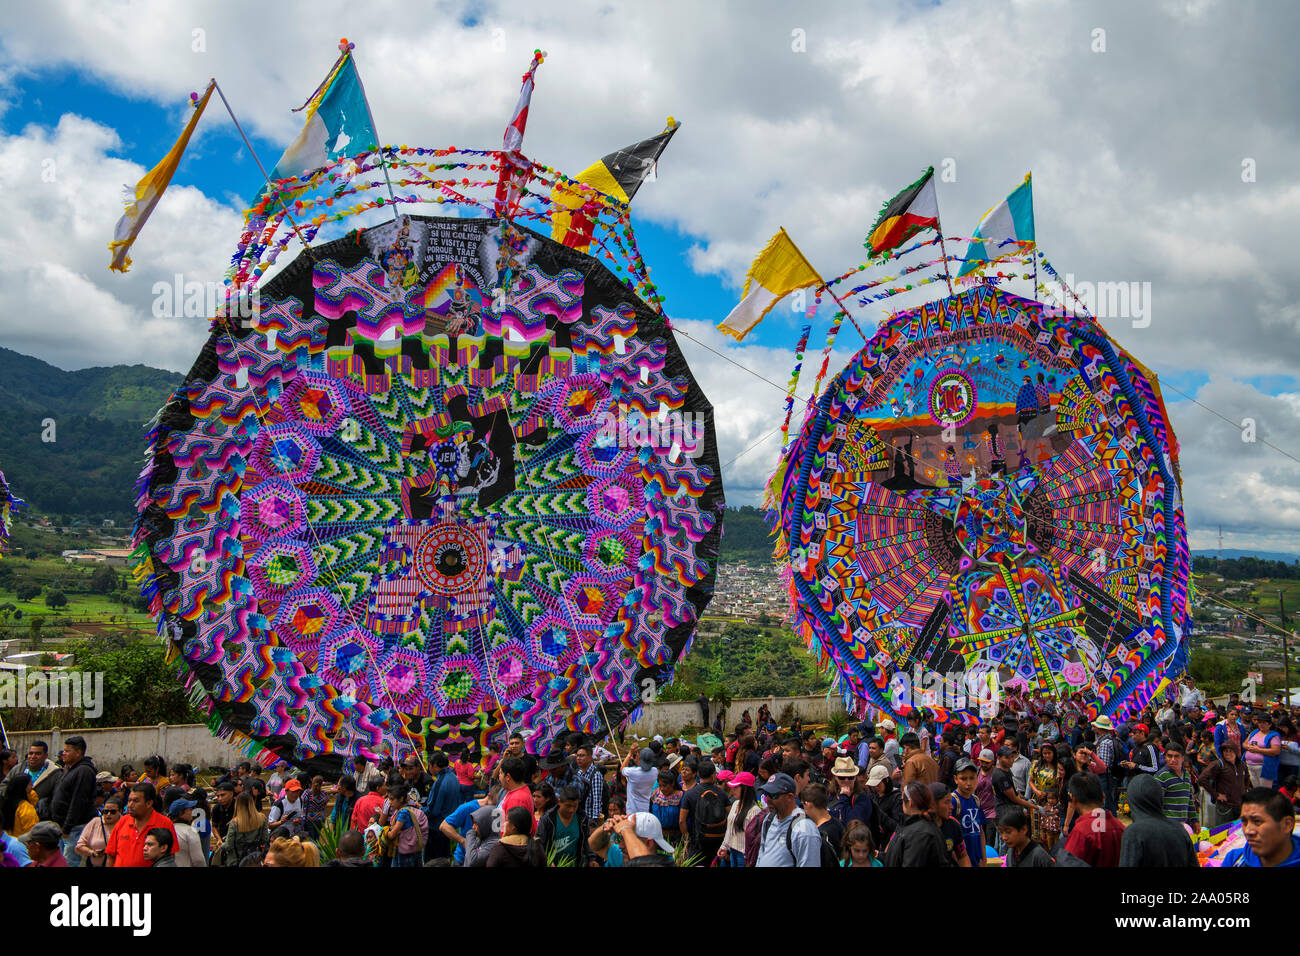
[(744, 807)]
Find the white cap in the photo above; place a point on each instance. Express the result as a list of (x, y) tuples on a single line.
[(648, 828)]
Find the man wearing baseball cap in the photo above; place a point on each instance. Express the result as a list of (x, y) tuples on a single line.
[(829, 755), (887, 733), (640, 841), (288, 810), (789, 837), (1143, 758), (43, 844), (188, 849)]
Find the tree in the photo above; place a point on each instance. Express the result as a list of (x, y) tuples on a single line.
[(56, 599), (1212, 670), (103, 580), (27, 591), (140, 687), (34, 629)]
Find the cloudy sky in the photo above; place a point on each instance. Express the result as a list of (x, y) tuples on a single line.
[(1162, 137)]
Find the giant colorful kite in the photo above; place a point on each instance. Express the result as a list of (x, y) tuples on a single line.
[(8, 502), (445, 479), (986, 502)]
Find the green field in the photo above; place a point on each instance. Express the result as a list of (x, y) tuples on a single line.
[(87, 613)]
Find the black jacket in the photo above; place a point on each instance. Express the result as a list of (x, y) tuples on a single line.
[(1152, 839), (546, 827), (73, 801), (516, 855), (917, 842), (887, 816)]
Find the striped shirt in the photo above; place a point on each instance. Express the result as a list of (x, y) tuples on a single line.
[(1180, 806)]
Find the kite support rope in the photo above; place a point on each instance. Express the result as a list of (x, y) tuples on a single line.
[(249, 146)]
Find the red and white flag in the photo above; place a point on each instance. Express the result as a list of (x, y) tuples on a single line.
[(513, 175)]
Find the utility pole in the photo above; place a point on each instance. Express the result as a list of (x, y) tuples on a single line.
[(1286, 653)]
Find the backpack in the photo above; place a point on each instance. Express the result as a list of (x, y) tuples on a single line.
[(828, 854), (411, 839), (237, 845), (295, 823), (710, 817)]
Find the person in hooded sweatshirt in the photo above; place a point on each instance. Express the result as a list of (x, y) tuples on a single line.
[(517, 846), (1152, 839), (483, 836)]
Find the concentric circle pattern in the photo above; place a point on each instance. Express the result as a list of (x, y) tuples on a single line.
[(399, 509)]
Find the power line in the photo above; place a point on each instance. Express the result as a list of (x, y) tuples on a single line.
[(1236, 425)]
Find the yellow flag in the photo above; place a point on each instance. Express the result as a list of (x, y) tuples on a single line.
[(777, 271), (150, 189)]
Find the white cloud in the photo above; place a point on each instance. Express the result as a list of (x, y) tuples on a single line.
[(1137, 154), (63, 195)]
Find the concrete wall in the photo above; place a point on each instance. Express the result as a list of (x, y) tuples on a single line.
[(668, 717), (110, 747)]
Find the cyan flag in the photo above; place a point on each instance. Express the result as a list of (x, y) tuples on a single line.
[(1013, 218), (338, 124)]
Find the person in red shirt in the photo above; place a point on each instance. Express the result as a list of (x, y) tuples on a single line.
[(1097, 832), (126, 843), (364, 812), (513, 772)]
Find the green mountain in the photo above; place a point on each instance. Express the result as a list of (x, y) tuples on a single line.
[(71, 443), (745, 537), (89, 469)]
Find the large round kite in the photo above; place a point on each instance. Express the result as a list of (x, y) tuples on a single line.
[(8, 502), (986, 502), (449, 479)]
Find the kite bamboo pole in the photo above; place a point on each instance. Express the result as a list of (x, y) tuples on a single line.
[(369, 113), (252, 152)]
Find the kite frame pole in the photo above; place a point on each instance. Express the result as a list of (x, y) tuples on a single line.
[(382, 157), (252, 152)]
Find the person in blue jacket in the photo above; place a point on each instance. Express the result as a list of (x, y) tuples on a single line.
[(1268, 821)]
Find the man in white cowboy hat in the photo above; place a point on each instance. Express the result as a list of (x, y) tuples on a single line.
[(1108, 754)]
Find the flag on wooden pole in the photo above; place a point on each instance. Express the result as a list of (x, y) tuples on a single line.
[(620, 175), (150, 189), (777, 271), (513, 175), (337, 124), (1013, 219), (913, 209)]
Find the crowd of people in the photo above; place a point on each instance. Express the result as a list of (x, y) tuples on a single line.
[(1039, 785)]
